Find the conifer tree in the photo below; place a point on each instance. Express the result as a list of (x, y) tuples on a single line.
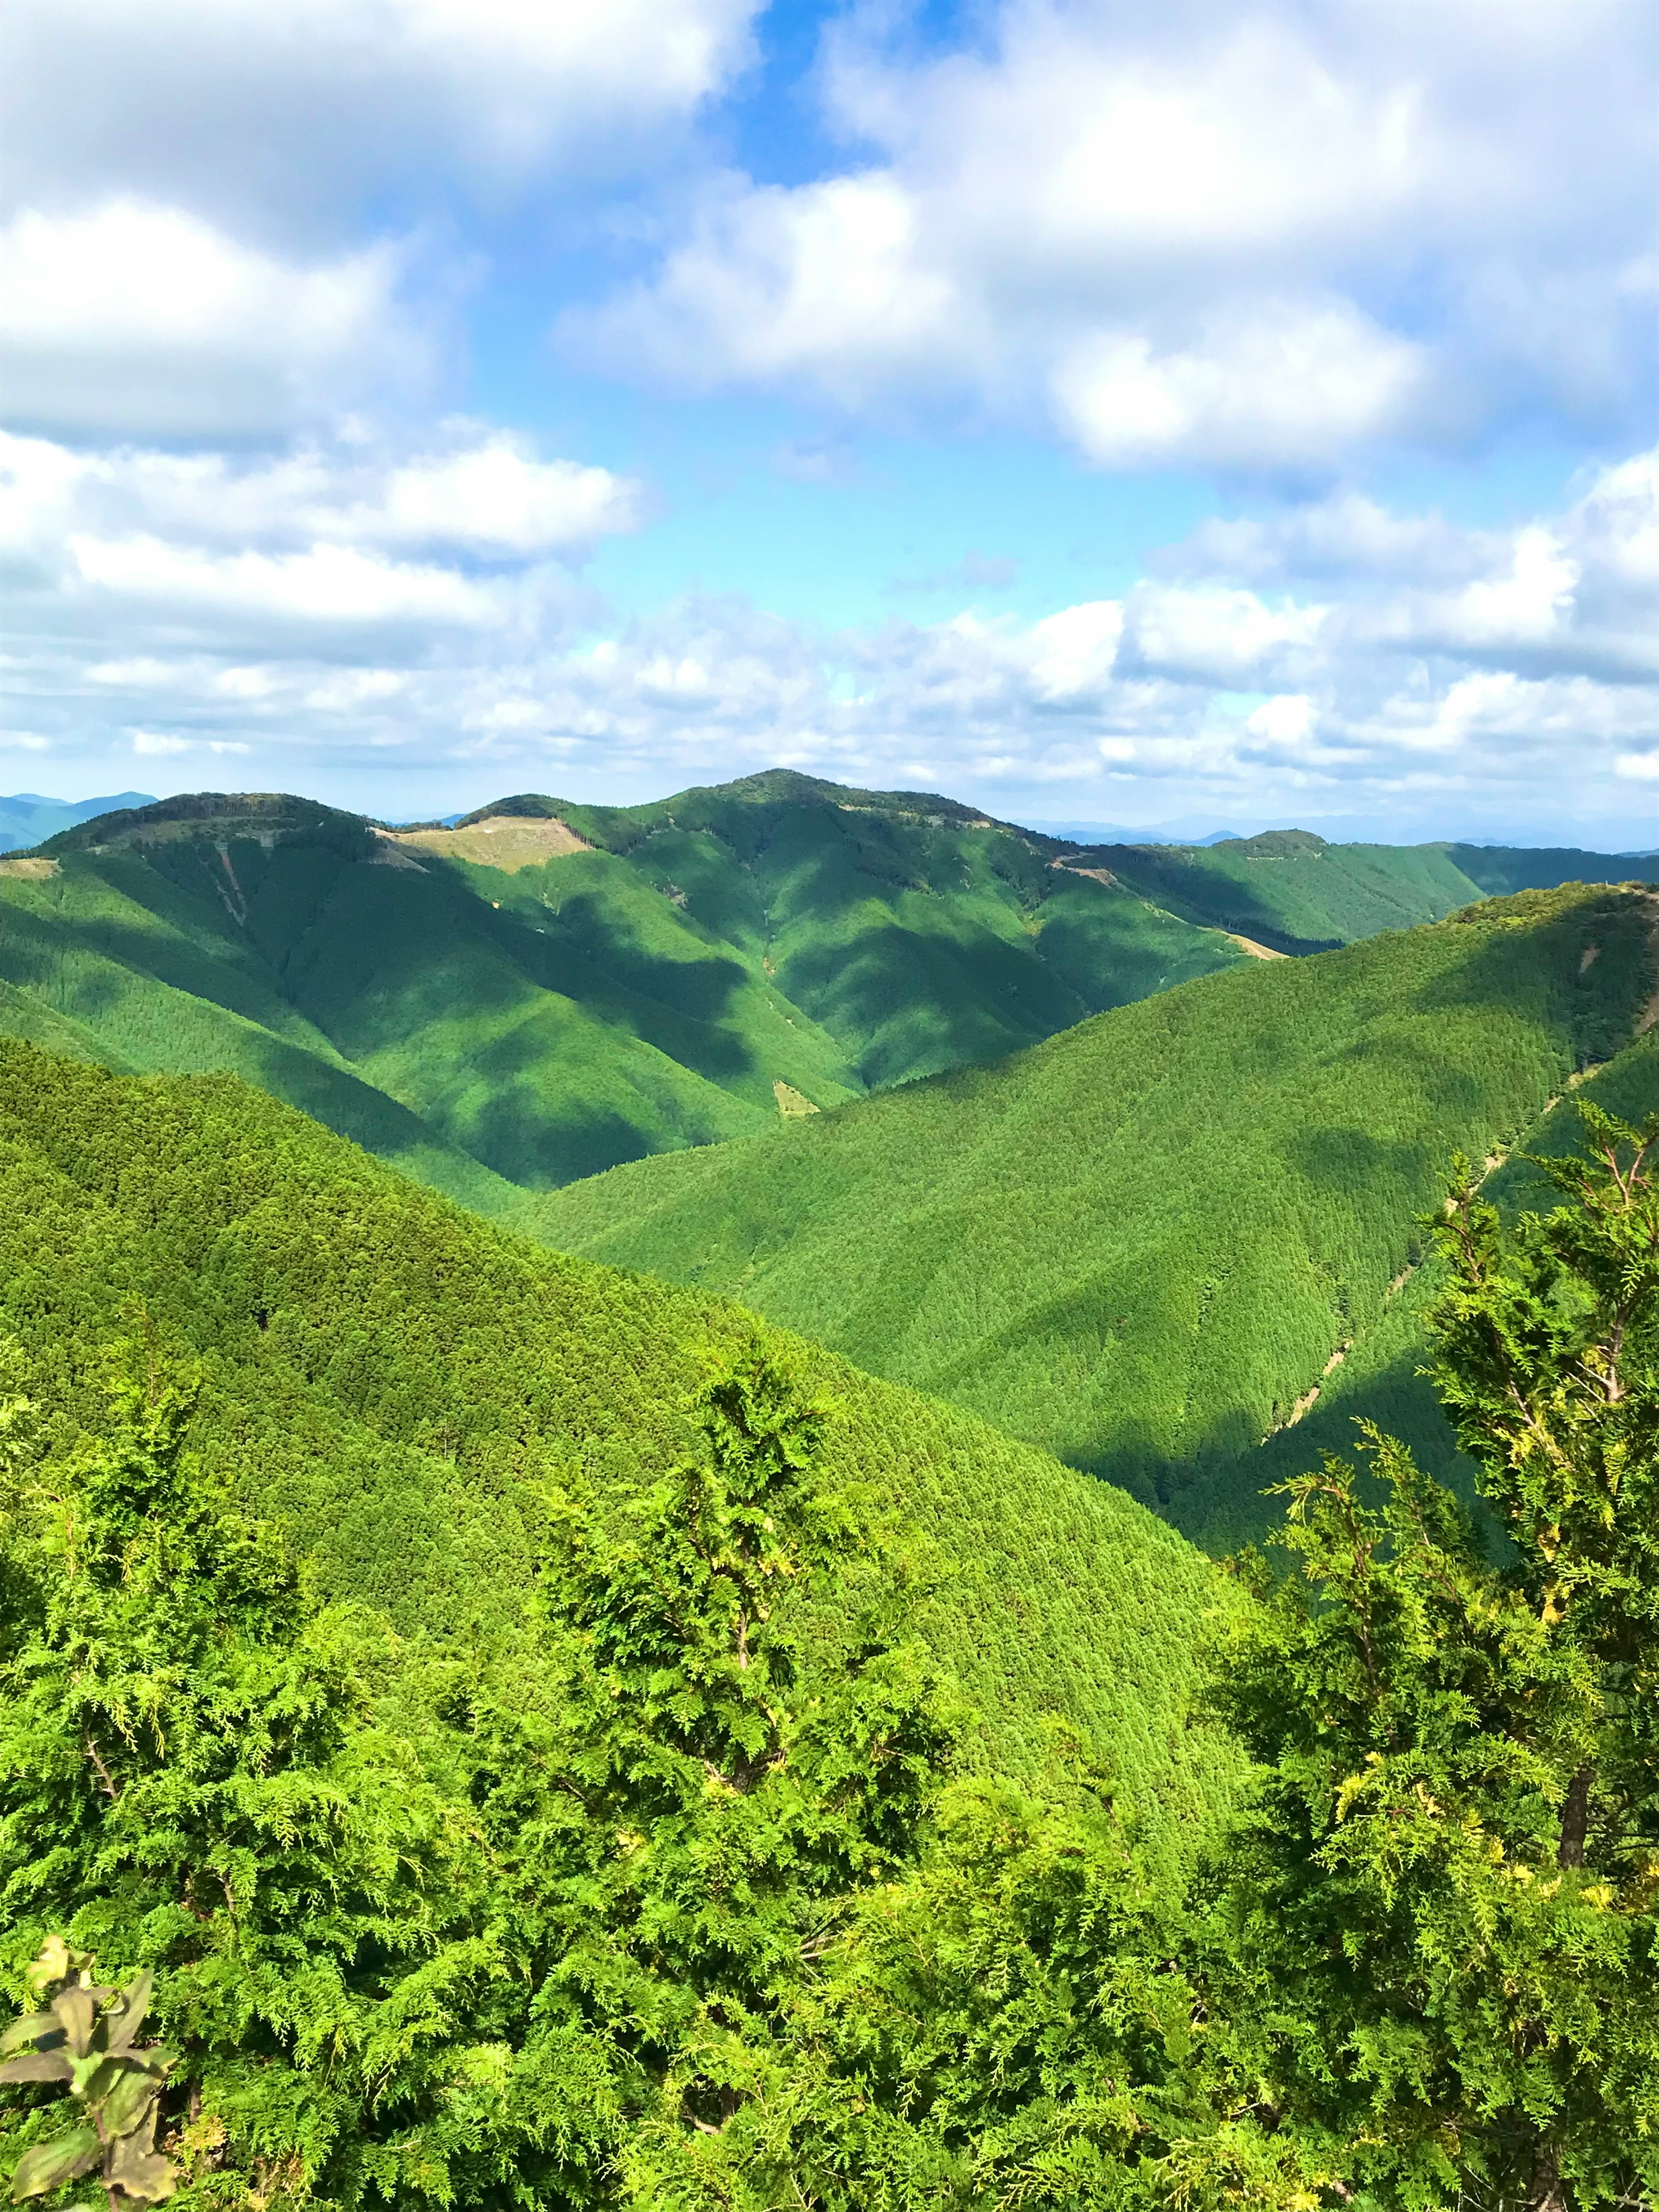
[(1446, 1920), (195, 1779), (688, 1826)]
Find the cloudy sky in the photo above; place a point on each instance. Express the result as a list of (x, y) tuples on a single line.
[(1148, 411)]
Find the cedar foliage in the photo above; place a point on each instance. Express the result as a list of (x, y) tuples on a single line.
[(679, 1887), (1446, 1914)]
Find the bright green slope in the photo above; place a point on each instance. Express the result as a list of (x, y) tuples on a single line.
[(539, 1025), (456, 1018), (1140, 1244), (487, 1025), (396, 1378), (921, 934)]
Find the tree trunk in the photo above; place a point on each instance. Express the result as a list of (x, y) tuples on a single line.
[(1547, 2194), (1575, 1820)]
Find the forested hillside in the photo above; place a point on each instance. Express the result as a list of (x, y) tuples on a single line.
[(1291, 892), (1153, 1243), (546, 989), (396, 1380)]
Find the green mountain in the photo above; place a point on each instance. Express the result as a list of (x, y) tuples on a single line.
[(516, 1000), (1149, 1244), (399, 1380), (546, 990), (25, 818), (1289, 892)]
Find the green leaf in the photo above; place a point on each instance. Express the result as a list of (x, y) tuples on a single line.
[(126, 2103), (29, 2029), (140, 2172), (94, 2076), (48, 2166), (76, 2013), (122, 2026), (37, 2066)]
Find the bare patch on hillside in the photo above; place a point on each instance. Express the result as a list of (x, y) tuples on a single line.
[(1095, 875), (386, 855), (1256, 951), (36, 871), (791, 1103), (506, 841)]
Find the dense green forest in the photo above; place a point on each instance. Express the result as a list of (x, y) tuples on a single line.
[(394, 1378), (549, 989), (483, 1728), (479, 1729), (1171, 1235)]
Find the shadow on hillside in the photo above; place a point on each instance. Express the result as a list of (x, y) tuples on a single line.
[(1211, 901), (1542, 970), (907, 1003), (1215, 1498), (687, 1008)]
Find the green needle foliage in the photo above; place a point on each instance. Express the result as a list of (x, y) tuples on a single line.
[(716, 1813), (193, 1779), (1448, 1908), (533, 1930)]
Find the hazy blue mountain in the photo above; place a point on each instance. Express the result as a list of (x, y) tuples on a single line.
[(26, 818)]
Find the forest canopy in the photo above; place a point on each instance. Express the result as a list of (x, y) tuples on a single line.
[(687, 1885)]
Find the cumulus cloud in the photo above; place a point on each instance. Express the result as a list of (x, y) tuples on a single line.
[(1306, 381), (187, 248), (1520, 691), (282, 113), (1258, 238), (319, 551), (131, 317)]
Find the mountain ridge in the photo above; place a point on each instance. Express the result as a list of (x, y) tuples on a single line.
[(501, 1010), (1146, 1241)]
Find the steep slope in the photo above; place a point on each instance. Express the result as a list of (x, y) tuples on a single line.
[(510, 1000), (547, 990), (1143, 1243), (543, 1040), (398, 1380), (917, 932)]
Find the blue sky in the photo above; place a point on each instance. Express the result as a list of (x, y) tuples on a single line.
[(1183, 412)]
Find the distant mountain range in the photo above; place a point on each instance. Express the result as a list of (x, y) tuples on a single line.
[(1168, 1233), (25, 818), (547, 989)]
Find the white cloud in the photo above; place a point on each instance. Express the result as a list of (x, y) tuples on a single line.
[(1210, 635), (1258, 236), (329, 587), (1521, 689), (494, 496), (1074, 651), (1286, 721), (827, 283), (286, 111), (131, 317), (321, 536), (1304, 383), (475, 490)]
